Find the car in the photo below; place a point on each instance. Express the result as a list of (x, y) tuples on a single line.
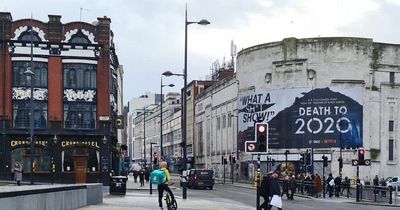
[(393, 182), (199, 178)]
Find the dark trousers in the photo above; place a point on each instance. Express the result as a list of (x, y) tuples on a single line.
[(265, 204), (141, 182), (161, 189)]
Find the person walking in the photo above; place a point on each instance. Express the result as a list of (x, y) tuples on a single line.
[(18, 173), (285, 187), (383, 184), (141, 177), (265, 191), (337, 181), (292, 187), (346, 185), (164, 186), (330, 185), (376, 184), (147, 175), (318, 184), (275, 189)]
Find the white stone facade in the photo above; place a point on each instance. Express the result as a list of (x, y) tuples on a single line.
[(326, 62)]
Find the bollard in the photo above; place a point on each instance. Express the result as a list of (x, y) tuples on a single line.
[(375, 193), (390, 195)]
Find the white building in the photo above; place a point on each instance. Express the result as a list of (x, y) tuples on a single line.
[(284, 75)]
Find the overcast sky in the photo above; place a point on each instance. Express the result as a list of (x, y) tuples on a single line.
[(149, 34)]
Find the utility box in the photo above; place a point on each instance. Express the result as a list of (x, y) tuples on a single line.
[(118, 185)]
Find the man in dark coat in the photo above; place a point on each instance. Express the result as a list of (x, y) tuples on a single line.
[(265, 191), (292, 187), (338, 181), (376, 184), (274, 187), (329, 185)]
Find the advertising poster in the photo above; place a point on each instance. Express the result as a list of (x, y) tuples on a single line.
[(304, 117)]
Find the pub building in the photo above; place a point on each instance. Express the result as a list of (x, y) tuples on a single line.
[(74, 96)]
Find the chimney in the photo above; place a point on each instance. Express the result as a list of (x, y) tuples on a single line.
[(5, 23), (54, 30)]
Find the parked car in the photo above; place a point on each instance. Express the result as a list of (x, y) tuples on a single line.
[(200, 178), (393, 182)]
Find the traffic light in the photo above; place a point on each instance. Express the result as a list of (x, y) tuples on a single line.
[(233, 159), (325, 161), (361, 153), (308, 159), (224, 159), (340, 162), (261, 137), (302, 159)]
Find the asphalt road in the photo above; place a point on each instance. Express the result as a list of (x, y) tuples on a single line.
[(247, 197)]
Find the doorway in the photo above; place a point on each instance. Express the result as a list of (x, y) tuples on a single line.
[(80, 165)]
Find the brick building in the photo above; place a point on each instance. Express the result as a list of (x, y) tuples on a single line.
[(75, 98)]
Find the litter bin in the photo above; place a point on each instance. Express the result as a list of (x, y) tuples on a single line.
[(118, 185)]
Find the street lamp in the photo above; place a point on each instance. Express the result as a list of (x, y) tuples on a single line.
[(30, 76), (161, 115)]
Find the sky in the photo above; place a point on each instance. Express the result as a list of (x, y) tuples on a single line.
[(149, 34)]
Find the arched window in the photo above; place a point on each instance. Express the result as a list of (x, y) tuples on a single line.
[(79, 38), (26, 36)]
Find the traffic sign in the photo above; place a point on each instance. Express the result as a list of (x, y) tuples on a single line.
[(354, 162), (367, 162), (251, 147)]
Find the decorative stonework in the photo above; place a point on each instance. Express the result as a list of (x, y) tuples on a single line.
[(69, 34), (79, 95), (22, 29), (22, 93)]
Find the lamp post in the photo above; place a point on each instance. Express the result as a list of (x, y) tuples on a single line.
[(161, 116), (201, 22), (30, 76), (145, 110)]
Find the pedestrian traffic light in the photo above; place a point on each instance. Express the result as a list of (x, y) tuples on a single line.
[(261, 137), (308, 159), (224, 159), (233, 158), (325, 161), (361, 153), (340, 162)]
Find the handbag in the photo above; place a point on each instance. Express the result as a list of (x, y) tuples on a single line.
[(276, 201)]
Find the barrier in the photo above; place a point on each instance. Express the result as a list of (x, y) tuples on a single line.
[(50, 197)]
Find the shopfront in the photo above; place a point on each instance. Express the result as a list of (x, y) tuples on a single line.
[(76, 159)]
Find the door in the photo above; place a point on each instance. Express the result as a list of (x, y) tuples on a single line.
[(80, 164)]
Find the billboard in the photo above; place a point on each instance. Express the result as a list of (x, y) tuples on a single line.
[(304, 117)]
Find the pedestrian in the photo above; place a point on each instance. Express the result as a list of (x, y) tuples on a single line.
[(164, 186), (307, 183), (329, 186), (147, 175), (18, 173), (300, 178), (376, 184), (318, 184), (285, 187), (265, 191), (383, 184), (275, 190), (292, 187), (141, 177), (337, 181), (346, 185)]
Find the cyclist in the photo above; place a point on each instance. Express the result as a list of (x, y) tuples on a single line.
[(162, 187)]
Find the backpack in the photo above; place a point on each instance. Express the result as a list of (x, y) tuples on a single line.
[(158, 177)]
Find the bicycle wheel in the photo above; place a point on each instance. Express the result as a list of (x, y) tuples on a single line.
[(171, 204)]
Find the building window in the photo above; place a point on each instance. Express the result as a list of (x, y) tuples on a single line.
[(391, 149), (26, 36), (224, 121), (21, 114), (391, 77), (41, 159), (79, 38), (20, 79), (80, 76), (391, 125), (80, 116), (218, 123), (230, 120)]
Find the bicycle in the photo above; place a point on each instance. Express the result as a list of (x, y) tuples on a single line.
[(171, 204)]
